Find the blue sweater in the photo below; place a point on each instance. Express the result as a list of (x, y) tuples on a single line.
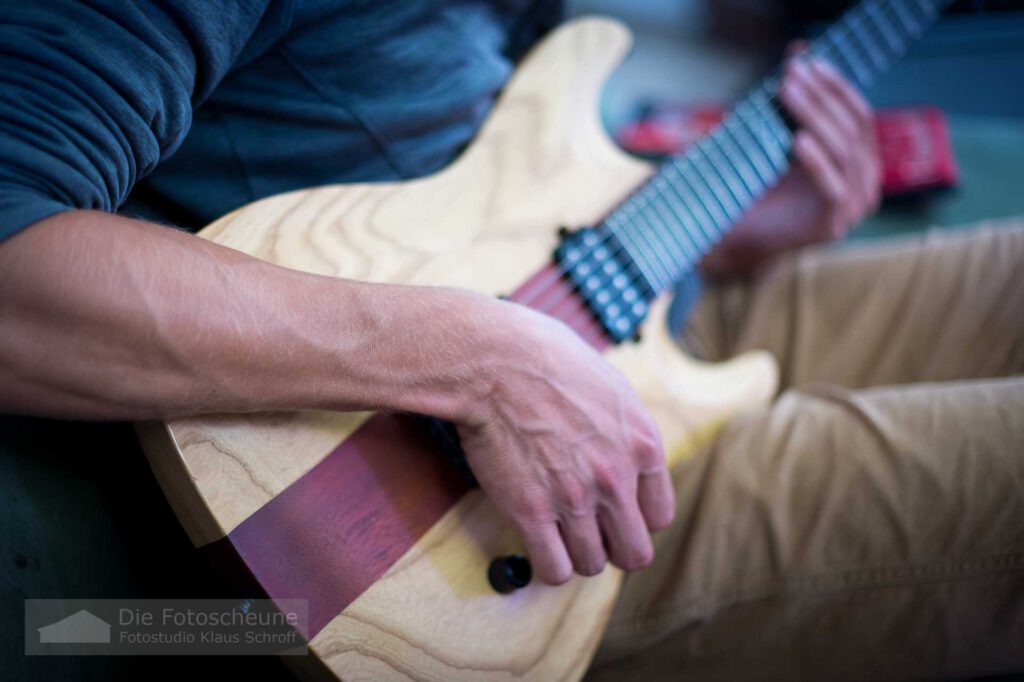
[(181, 111)]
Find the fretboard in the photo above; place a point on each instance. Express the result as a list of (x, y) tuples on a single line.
[(667, 226)]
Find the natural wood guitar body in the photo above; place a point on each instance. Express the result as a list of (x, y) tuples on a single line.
[(488, 222)]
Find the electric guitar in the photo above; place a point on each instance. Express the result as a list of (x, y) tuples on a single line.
[(408, 570)]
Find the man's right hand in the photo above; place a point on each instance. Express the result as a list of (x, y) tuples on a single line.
[(562, 445), (110, 318)]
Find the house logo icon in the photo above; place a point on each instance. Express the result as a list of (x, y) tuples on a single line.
[(80, 627)]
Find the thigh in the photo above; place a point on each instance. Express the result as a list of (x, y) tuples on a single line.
[(837, 534), (942, 306)]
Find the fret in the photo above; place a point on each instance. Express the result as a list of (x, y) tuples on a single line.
[(753, 152), (658, 210), (764, 132), (691, 231), (667, 242), (720, 174), (726, 170), (665, 227), (860, 72), (648, 226), (709, 228), (698, 214), (664, 269), (655, 242), (671, 199), (886, 30), (636, 254), (684, 173), (684, 253), (690, 254), (751, 140), (701, 189), (756, 148), (747, 175), (831, 51), (698, 236), (782, 138), (869, 45), (769, 89), (678, 210), (771, 120), (702, 165)]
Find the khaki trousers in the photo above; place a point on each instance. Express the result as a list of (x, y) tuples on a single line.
[(870, 523)]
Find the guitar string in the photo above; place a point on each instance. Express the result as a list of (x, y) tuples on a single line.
[(862, 17), (859, 15), (648, 198), (541, 289), (642, 200), (826, 46)]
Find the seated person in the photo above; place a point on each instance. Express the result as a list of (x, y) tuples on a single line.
[(866, 524)]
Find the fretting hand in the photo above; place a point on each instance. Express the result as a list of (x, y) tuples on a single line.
[(834, 181)]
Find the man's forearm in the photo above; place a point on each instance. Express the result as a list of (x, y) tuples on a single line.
[(105, 317)]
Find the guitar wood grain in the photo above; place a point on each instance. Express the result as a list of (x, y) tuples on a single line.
[(487, 222)]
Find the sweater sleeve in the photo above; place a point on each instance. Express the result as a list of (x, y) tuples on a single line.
[(94, 94)]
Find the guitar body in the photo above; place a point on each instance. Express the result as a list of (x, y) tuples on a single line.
[(488, 222)]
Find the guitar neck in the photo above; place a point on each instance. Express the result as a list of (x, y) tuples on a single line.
[(667, 226)]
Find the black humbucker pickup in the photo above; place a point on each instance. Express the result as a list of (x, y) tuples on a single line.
[(603, 274)]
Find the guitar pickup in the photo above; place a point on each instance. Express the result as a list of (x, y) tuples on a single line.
[(604, 275)]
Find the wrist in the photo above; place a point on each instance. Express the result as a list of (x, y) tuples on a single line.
[(422, 350), (477, 329)]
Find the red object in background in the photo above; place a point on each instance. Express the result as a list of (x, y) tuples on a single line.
[(661, 131), (913, 142), (916, 151)]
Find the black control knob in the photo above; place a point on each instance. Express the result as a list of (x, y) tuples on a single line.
[(509, 573)]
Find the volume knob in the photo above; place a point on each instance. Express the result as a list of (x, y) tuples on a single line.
[(509, 573)]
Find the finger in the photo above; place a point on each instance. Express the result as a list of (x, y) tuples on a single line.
[(824, 92), (866, 176), (547, 552), (582, 539), (655, 493), (826, 177), (814, 109), (868, 165), (629, 543), (849, 153), (844, 91), (656, 497)]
